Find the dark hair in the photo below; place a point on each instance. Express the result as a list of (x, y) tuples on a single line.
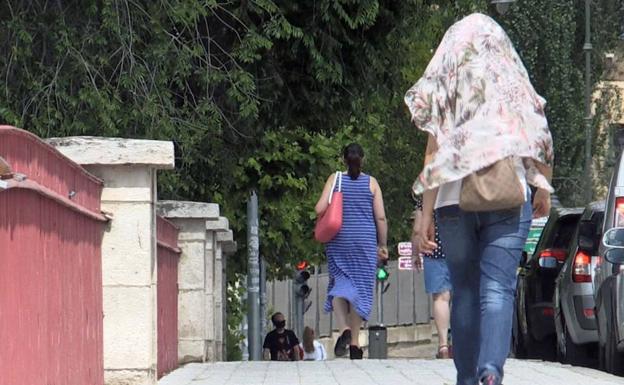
[(308, 340), (275, 315), (353, 155)]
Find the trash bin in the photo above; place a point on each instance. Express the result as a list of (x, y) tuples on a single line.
[(377, 342)]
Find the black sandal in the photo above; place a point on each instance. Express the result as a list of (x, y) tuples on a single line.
[(355, 352), (343, 342)]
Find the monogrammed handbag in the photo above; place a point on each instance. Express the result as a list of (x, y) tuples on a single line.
[(496, 187)]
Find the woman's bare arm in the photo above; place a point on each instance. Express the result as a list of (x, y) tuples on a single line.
[(380, 215), (322, 203)]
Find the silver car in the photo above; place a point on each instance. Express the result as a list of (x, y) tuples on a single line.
[(609, 283), (575, 321)]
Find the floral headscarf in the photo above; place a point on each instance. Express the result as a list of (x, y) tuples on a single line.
[(476, 99)]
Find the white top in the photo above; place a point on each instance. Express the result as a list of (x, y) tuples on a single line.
[(449, 193), (319, 353)]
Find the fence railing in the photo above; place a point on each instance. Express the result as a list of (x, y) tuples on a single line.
[(167, 298), (404, 303), (50, 267)]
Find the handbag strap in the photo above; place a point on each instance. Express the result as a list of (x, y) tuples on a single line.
[(339, 181), (337, 178)]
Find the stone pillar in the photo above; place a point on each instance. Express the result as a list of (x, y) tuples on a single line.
[(201, 278), (128, 168), (223, 244), (195, 275)]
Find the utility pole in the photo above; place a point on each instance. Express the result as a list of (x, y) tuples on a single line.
[(587, 48), (253, 285), (263, 297)]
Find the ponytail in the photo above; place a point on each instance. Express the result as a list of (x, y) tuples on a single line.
[(353, 155)]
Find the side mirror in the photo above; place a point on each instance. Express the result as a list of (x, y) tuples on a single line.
[(615, 256), (586, 236), (614, 238)]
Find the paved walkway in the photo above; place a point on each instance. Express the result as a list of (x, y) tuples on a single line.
[(376, 372)]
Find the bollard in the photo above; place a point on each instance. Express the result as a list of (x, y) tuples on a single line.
[(377, 342)]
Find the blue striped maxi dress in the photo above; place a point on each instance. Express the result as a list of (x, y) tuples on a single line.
[(352, 254)]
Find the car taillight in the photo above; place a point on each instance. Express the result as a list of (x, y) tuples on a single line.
[(619, 211), (548, 311), (589, 313), (582, 268), (549, 258)]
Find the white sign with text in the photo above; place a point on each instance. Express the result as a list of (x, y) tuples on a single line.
[(405, 263), (405, 248)]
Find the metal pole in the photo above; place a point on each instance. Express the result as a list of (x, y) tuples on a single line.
[(414, 315), (299, 302), (380, 318), (253, 288), (317, 306), (263, 297), (587, 47), (398, 297)]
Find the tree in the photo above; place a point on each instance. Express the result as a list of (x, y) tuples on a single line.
[(549, 36), (263, 94)]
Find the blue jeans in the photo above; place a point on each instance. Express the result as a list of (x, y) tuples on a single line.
[(483, 252)]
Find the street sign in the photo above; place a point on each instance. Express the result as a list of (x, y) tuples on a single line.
[(405, 263), (405, 248)]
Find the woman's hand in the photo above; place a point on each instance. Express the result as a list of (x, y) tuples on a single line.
[(541, 203), (426, 235), (417, 260), (382, 253)]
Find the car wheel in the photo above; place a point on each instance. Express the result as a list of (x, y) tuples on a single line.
[(561, 345), (518, 349), (571, 353), (544, 350), (602, 357), (614, 360)]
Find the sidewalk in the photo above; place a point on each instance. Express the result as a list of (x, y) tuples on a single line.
[(376, 372)]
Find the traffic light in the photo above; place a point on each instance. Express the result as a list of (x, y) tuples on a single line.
[(382, 273), (302, 289)]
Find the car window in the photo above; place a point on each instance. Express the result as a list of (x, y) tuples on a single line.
[(564, 231), (597, 222)]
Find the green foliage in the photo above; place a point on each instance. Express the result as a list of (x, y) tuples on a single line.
[(543, 34), (235, 313), (549, 36), (263, 95)]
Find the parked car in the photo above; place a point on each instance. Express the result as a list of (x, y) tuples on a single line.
[(534, 327), (575, 321), (609, 283)]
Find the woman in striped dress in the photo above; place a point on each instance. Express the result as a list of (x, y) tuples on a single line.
[(354, 252)]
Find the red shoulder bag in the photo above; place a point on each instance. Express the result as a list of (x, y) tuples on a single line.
[(329, 223)]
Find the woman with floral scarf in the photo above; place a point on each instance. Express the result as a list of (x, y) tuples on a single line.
[(477, 104)]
